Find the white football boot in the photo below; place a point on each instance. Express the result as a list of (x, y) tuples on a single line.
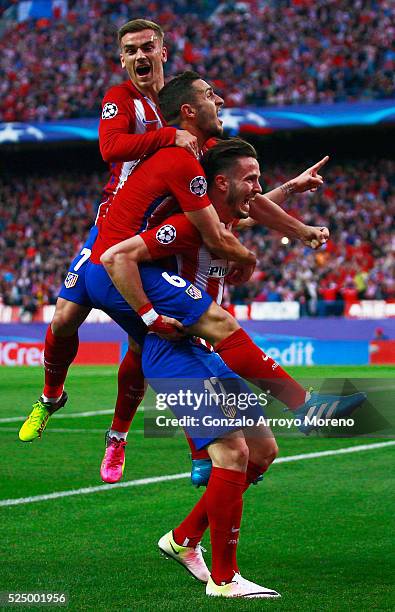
[(239, 587), (191, 558)]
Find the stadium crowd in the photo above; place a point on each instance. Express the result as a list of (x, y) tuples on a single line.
[(44, 220), (42, 223), (274, 52)]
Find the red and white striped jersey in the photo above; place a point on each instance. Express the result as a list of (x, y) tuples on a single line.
[(171, 174), (178, 239), (129, 129)]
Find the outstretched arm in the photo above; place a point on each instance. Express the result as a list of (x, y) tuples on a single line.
[(309, 180), (266, 209), (268, 213)]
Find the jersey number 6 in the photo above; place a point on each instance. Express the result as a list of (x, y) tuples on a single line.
[(174, 280)]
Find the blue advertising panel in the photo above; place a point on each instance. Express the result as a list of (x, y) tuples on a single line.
[(308, 352), (236, 120)]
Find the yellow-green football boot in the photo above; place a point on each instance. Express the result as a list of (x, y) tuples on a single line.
[(37, 420)]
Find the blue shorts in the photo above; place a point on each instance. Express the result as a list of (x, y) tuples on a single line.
[(74, 288), (188, 371), (170, 295)]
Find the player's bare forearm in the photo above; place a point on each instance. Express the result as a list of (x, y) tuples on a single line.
[(309, 180), (266, 212), (229, 247), (121, 263), (217, 238)]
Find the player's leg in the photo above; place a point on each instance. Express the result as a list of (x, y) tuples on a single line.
[(173, 296), (262, 451), (131, 389), (61, 343), (131, 386), (60, 349), (224, 506), (221, 505), (245, 358)]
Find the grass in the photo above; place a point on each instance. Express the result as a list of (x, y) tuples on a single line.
[(319, 531)]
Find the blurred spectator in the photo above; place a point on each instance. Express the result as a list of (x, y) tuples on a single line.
[(379, 334), (44, 221), (275, 52)]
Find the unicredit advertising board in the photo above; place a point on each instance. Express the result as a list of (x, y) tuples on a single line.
[(298, 342), (315, 352)]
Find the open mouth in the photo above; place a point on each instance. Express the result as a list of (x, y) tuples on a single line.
[(143, 70), (245, 207)]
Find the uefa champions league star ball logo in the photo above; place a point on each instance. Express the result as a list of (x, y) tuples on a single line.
[(109, 110), (20, 132), (198, 186), (166, 234)]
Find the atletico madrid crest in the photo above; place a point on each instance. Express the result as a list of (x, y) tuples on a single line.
[(70, 280), (194, 292)]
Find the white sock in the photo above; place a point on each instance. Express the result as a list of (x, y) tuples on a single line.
[(118, 435), (51, 400)]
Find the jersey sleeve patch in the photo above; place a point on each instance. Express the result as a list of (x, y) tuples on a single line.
[(194, 292), (110, 110), (166, 234), (198, 186)]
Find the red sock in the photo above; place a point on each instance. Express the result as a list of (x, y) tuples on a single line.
[(196, 454), (192, 528), (59, 354), (224, 505), (246, 359), (253, 472), (190, 531), (130, 391)]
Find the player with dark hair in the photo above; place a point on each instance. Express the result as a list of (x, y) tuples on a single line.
[(215, 325), (239, 459)]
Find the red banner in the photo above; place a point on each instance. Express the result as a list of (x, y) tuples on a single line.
[(382, 352), (31, 353), (98, 353)]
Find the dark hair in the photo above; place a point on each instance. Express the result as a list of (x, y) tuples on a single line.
[(138, 25), (221, 157), (175, 93)]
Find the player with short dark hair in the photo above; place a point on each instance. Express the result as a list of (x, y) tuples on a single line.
[(239, 459)]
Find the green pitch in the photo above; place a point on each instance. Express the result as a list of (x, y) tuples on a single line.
[(319, 531)]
